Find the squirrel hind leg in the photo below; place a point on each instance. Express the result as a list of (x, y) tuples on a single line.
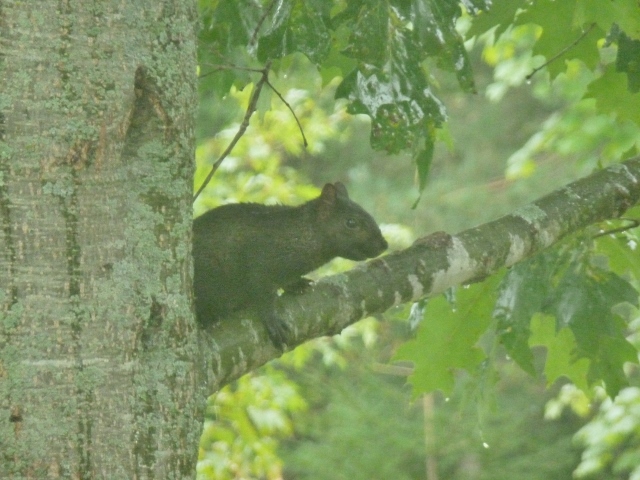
[(278, 330)]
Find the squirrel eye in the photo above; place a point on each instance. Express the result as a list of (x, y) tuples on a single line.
[(351, 223)]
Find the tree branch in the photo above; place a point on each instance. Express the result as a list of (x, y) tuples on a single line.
[(429, 267), (253, 105)]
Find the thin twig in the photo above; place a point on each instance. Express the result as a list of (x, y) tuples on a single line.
[(253, 102), (634, 223), (304, 138), (561, 52), (254, 36), (217, 68)]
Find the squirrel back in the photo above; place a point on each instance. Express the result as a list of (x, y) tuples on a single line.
[(243, 253)]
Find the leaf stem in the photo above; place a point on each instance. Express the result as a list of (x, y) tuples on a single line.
[(562, 52)]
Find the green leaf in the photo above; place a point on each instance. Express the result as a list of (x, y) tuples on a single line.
[(474, 7), (228, 25), (521, 294), (368, 42), (623, 103), (623, 13), (226, 32), (628, 61), (586, 343), (390, 42), (559, 32), (399, 101), (561, 346), (608, 361), (434, 24), (423, 163), (583, 302), (382, 49), (499, 16), (297, 26), (446, 340), (622, 257)]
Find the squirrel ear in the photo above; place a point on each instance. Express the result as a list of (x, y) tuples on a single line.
[(329, 193), (341, 190)]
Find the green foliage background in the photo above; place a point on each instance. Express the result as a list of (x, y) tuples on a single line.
[(420, 138)]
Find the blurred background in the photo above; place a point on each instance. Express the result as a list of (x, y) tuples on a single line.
[(333, 408)]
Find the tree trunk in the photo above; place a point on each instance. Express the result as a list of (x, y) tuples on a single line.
[(99, 365)]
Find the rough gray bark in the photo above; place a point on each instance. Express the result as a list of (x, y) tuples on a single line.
[(429, 267), (98, 354)]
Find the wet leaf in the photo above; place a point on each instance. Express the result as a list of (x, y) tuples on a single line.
[(499, 16), (561, 347), (447, 339), (297, 26), (583, 302), (391, 41), (399, 102), (386, 52), (522, 293)]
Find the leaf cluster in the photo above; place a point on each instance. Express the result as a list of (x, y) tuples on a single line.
[(243, 426), (570, 300), (386, 55), (383, 52), (589, 52), (612, 438)]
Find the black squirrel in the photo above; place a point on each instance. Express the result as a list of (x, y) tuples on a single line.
[(244, 252)]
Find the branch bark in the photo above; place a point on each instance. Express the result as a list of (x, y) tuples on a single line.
[(430, 266)]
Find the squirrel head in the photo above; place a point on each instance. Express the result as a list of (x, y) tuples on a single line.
[(347, 227)]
